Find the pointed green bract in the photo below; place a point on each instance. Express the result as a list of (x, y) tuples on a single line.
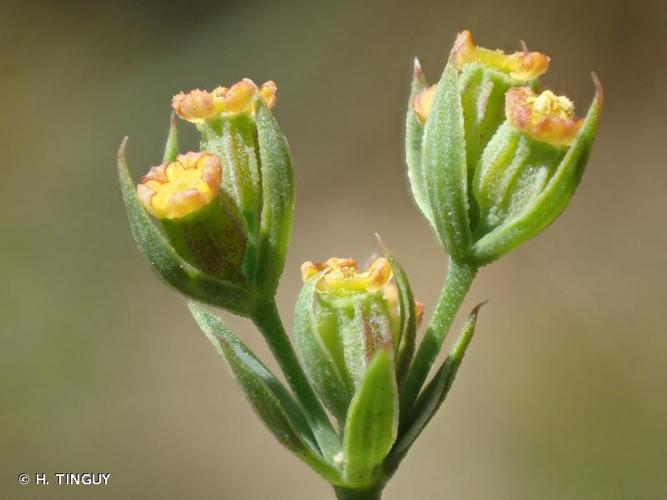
[(444, 163), (414, 132), (277, 200), (372, 422), (434, 393), (168, 264), (271, 401), (171, 146), (551, 201), (318, 360), (405, 344)]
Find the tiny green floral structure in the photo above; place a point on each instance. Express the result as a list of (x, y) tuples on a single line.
[(492, 161)]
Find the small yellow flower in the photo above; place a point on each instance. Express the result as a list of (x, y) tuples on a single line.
[(546, 117), (200, 105), (174, 190), (196, 106), (522, 66), (343, 275)]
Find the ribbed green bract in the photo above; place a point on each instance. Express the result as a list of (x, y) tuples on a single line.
[(270, 400), (372, 422), (414, 133), (320, 349), (233, 138), (277, 201), (528, 185), (166, 262), (444, 166), (407, 331), (482, 91)]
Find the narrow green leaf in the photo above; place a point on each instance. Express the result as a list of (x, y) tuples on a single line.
[(167, 263), (414, 132), (434, 393), (444, 163), (270, 400), (277, 199), (551, 202), (171, 147), (372, 421), (318, 361)]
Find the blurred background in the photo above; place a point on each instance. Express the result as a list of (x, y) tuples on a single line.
[(102, 369)]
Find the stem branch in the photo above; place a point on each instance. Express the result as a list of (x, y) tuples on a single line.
[(267, 319), (459, 278)]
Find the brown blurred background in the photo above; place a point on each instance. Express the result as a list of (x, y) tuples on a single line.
[(562, 395)]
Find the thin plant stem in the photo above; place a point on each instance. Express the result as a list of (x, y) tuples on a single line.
[(460, 276), (267, 319)]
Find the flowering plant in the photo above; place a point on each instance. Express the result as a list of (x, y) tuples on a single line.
[(492, 161)]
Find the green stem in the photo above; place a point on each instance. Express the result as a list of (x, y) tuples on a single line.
[(267, 319), (459, 278), (350, 494)]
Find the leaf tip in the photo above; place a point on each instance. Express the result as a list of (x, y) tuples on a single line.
[(383, 247), (417, 69), (121, 150), (475, 311), (599, 91)]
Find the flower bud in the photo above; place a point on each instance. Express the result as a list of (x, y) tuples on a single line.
[(342, 318), (530, 168), (472, 90), (484, 152), (236, 125), (202, 227)]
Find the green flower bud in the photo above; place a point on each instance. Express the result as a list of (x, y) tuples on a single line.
[(226, 212), (227, 121), (202, 227), (530, 169), (343, 317)]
